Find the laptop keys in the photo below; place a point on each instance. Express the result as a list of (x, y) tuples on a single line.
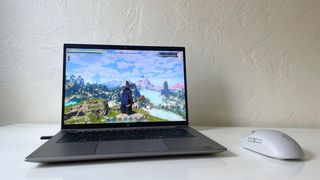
[(112, 135)]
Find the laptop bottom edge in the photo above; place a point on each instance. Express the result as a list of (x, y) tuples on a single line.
[(118, 156)]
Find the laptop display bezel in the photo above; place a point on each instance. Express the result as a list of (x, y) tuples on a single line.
[(131, 124)]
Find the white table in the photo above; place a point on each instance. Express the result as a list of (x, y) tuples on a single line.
[(18, 140)]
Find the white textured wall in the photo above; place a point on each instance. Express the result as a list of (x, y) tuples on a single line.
[(250, 62)]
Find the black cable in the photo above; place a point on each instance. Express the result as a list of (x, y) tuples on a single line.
[(45, 137)]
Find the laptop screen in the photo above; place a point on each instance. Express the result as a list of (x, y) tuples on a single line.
[(123, 85)]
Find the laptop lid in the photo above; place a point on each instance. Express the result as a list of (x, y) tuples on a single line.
[(123, 86)]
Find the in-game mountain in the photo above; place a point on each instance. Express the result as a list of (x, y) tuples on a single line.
[(144, 83)]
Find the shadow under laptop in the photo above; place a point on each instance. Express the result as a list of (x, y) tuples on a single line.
[(169, 167)]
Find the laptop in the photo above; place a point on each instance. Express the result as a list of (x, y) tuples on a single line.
[(123, 102)]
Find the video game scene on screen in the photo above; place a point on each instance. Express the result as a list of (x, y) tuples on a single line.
[(123, 86)]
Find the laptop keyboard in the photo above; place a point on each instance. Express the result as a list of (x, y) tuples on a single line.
[(127, 134)]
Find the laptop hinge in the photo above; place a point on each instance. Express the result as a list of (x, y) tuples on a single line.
[(68, 130), (101, 129)]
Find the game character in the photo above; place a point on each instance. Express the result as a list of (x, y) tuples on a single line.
[(126, 100)]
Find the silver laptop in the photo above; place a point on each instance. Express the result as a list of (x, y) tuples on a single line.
[(123, 102)]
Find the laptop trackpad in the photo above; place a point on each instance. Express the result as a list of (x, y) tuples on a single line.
[(112, 147)]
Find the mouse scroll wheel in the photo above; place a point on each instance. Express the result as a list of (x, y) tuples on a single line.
[(253, 131), (256, 140)]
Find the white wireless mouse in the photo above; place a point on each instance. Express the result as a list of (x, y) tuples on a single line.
[(272, 143)]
